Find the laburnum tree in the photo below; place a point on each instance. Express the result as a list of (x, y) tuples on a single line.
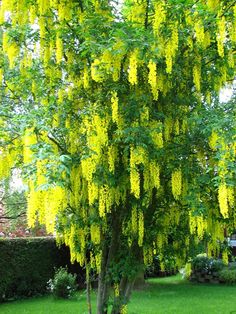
[(110, 110)]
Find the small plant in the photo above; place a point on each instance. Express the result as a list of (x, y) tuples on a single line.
[(63, 285), (228, 275), (186, 271)]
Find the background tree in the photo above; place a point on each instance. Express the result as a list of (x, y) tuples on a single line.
[(12, 202), (100, 104)]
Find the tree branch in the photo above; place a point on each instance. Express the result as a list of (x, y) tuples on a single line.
[(146, 15), (56, 142), (229, 7), (2, 218)]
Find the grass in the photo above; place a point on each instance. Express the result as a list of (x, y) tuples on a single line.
[(170, 295)]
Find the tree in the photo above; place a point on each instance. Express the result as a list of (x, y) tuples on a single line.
[(12, 202), (100, 104)]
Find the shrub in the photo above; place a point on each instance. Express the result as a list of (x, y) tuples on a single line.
[(201, 263), (228, 275), (216, 265), (206, 269), (232, 266), (63, 285)]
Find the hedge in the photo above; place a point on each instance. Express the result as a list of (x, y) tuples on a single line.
[(26, 264)]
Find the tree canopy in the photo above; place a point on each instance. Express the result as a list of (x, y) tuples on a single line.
[(111, 110)]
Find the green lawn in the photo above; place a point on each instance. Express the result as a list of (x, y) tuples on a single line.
[(166, 295)]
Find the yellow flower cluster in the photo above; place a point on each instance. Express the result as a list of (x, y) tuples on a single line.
[(102, 201), (85, 77), (144, 116), (137, 156), (62, 11), (10, 48), (200, 227), (212, 4), (171, 48), (221, 36), (133, 67), (134, 219), (32, 14), (6, 5), (115, 107), (231, 197), (156, 134), (1, 76), (176, 127), (116, 69), (42, 30), (152, 78), (77, 186), (176, 183), (96, 73), (140, 228), (197, 76), (44, 204), (7, 159), (161, 240), (59, 49), (28, 140), (135, 182), (97, 138), (95, 233), (213, 139), (159, 17), (168, 126), (155, 174), (93, 192), (116, 290), (147, 255), (137, 13), (199, 32), (98, 259), (207, 40), (124, 309), (56, 200), (32, 205), (223, 200), (192, 223), (43, 6), (225, 258), (112, 156)]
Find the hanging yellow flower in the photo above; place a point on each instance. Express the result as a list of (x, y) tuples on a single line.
[(152, 78), (223, 200), (176, 182), (133, 68)]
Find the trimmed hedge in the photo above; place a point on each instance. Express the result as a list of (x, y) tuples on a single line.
[(26, 264)]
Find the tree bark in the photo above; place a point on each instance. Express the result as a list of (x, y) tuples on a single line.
[(139, 281), (88, 287), (102, 287), (108, 254), (126, 287)]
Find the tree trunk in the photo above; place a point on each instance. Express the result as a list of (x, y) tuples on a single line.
[(102, 286), (139, 282), (104, 281), (126, 287), (88, 287)]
